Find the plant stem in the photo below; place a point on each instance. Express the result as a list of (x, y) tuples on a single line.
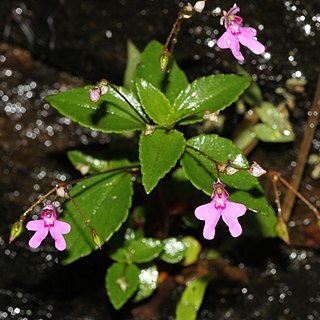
[(305, 146), (146, 121)]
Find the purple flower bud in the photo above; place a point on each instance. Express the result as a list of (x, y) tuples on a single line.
[(94, 95)]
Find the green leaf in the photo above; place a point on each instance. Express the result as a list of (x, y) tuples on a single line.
[(191, 299), (79, 158), (245, 138), (148, 281), (173, 250), (171, 83), (138, 250), (193, 249), (158, 154), (257, 225), (254, 200), (267, 134), (201, 172), (122, 281), (133, 59), (111, 113), (213, 93), (275, 128), (154, 103), (105, 200)]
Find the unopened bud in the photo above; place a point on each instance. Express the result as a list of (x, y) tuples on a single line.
[(256, 170), (83, 168), (96, 238), (16, 230), (282, 231), (187, 11), (94, 94), (61, 192), (149, 130), (164, 60), (231, 170), (199, 6), (103, 85)]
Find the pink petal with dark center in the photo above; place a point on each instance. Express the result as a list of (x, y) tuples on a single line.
[(230, 41)]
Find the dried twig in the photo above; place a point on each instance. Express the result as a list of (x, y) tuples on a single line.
[(303, 153)]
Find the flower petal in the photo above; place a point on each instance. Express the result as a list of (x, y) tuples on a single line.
[(205, 211), (38, 237), (230, 41), (35, 225), (209, 229), (246, 39), (230, 216), (57, 232), (62, 227)]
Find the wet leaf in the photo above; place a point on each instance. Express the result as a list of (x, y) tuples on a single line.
[(158, 154), (267, 134), (122, 280), (105, 200), (245, 138), (173, 250), (201, 172), (79, 158), (258, 225), (275, 127), (191, 299), (133, 59), (138, 250), (148, 281), (193, 249), (213, 93), (154, 102), (111, 113), (173, 81)]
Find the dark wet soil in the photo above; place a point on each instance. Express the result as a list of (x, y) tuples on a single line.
[(88, 40)]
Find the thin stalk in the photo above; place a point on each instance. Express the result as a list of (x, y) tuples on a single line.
[(204, 154), (300, 196), (303, 153), (54, 189), (126, 168)]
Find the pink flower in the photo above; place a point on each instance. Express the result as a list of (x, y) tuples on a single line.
[(230, 17), (220, 206), (235, 34), (48, 222)]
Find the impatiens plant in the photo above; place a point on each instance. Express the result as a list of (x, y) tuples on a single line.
[(154, 150)]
